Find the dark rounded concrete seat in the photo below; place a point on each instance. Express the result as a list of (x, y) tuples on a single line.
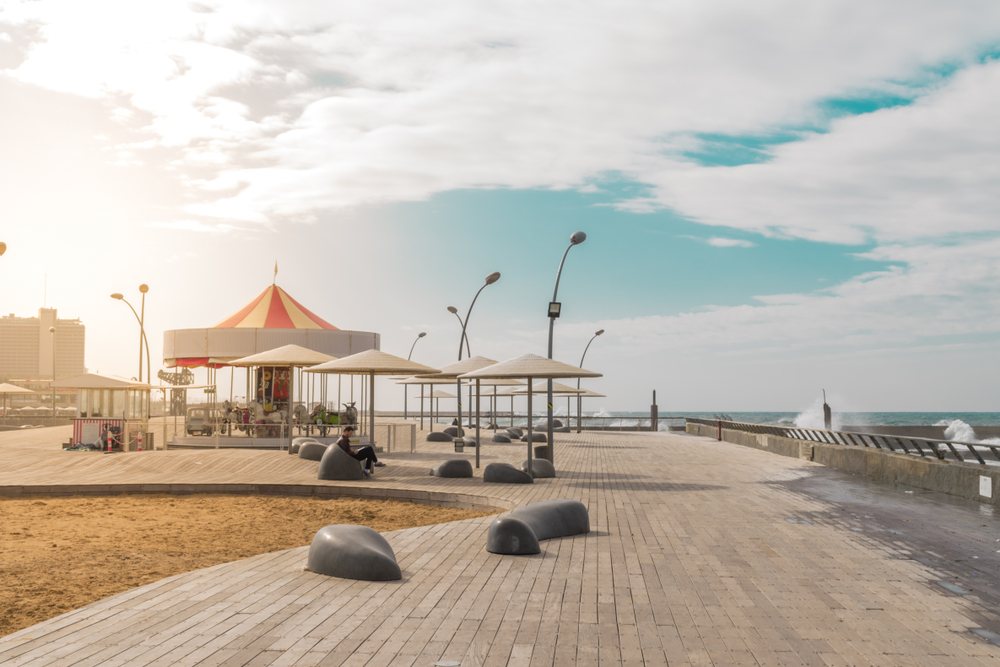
[(352, 552), (505, 473), (543, 424), (536, 437), (470, 440), (438, 436), (453, 431), (540, 468), (501, 437), (515, 432), (453, 468), (297, 443), (312, 451), (338, 464), (545, 520)]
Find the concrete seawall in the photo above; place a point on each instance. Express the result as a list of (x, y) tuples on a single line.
[(982, 432), (951, 477)]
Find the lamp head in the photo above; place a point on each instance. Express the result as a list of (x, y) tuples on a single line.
[(118, 296), (453, 310), (3, 247), (493, 277), (52, 329), (144, 288), (577, 238), (422, 334), (599, 332)]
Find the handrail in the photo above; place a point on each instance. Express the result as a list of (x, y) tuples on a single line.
[(940, 448)]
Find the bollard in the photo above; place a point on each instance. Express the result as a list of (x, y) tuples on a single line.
[(720, 430), (140, 441)]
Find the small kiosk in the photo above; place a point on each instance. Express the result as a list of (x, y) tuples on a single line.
[(111, 409)]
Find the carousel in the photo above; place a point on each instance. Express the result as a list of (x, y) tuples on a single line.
[(273, 338)]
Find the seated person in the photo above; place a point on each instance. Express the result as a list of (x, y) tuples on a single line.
[(366, 453)]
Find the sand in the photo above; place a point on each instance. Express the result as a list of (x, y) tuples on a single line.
[(59, 554)]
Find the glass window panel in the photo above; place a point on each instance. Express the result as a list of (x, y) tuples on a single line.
[(84, 401), (119, 404)]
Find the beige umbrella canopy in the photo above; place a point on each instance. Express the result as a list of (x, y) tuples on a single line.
[(531, 367), (6, 388), (557, 388), (437, 393), (287, 355), (457, 368), (372, 363)]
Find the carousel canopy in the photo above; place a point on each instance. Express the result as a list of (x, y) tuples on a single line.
[(272, 320), (274, 309)]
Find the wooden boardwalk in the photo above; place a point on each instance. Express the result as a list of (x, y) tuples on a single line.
[(699, 554)]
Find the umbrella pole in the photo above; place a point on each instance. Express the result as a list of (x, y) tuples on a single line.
[(530, 443), (421, 406), (371, 411), (477, 422), (291, 394)]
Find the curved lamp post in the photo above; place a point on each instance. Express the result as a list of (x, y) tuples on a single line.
[(554, 310), (490, 279), (52, 330), (454, 311), (406, 387), (579, 400), (142, 330)]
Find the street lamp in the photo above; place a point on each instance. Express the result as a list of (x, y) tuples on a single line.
[(52, 330), (490, 279), (142, 330), (3, 247), (454, 311), (579, 401), (406, 387), (555, 308)]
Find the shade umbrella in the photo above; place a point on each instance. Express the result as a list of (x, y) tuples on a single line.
[(372, 363), (292, 356), (531, 367), (560, 390), (6, 389)]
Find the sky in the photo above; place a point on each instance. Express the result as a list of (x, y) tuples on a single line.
[(779, 197)]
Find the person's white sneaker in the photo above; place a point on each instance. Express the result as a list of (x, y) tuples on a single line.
[(379, 464)]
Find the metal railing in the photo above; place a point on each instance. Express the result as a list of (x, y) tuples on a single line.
[(221, 435), (506, 419), (942, 449)]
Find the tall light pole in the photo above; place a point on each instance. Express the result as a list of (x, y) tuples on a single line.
[(142, 330), (554, 310), (454, 311), (579, 401), (406, 387), (490, 279), (52, 330)]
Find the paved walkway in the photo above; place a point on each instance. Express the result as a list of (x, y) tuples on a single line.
[(700, 553)]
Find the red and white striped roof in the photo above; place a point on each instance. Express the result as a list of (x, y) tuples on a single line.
[(274, 309)]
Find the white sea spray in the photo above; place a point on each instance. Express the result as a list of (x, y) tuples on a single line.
[(957, 430)]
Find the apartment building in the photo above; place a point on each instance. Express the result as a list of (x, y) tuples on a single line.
[(26, 346)]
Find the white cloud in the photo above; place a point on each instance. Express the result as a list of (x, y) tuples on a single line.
[(312, 107), (720, 242)]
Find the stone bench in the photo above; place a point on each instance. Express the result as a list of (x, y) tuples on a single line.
[(337, 464), (505, 473), (352, 552), (453, 468), (312, 451), (519, 531)]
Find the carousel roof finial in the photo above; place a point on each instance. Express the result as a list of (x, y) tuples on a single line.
[(273, 282)]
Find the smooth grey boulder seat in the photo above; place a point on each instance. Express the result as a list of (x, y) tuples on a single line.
[(438, 436), (453, 431), (297, 442), (561, 429), (505, 473), (536, 437), (515, 432), (543, 520), (544, 424), (501, 437), (470, 440), (352, 552), (313, 451), (540, 468), (338, 464), (542, 452), (453, 468)]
